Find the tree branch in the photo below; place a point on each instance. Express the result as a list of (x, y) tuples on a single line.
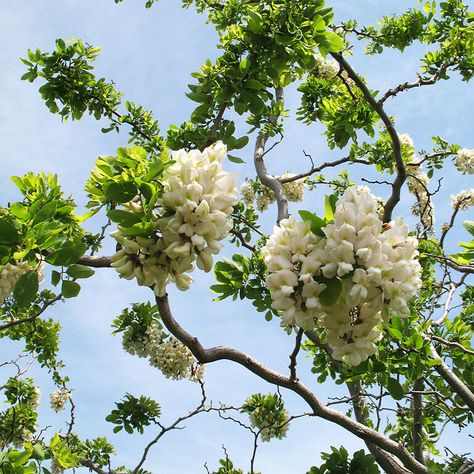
[(417, 407), (418, 83), (397, 153), (453, 380), (223, 353), (16, 322), (266, 179)]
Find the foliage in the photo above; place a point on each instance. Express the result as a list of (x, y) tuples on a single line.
[(170, 209)]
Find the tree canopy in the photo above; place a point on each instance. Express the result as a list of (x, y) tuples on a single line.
[(352, 252)]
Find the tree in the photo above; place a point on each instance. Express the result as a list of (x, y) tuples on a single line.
[(382, 306)]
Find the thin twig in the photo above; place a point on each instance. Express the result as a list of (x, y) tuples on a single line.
[(16, 322)]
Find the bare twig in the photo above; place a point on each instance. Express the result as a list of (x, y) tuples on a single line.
[(452, 344), (242, 240), (418, 83), (317, 169), (175, 425), (266, 179)]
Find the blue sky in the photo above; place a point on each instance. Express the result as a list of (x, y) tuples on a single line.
[(150, 55)]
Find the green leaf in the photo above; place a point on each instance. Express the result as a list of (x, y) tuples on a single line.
[(38, 452), (332, 291), (469, 225), (19, 211), (9, 231), (55, 277), (255, 22), (79, 271), (316, 222), (121, 192), (70, 289), (395, 389), (244, 66), (395, 333), (45, 213), (26, 288), (329, 207), (335, 43), (68, 254), (235, 159), (123, 218), (20, 458)]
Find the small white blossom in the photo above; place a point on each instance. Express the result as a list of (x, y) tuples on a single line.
[(59, 398), (294, 190), (418, 184), (264, 198), (10, 273), (324, 68), (464, 161), (247, 192), (463, 200)]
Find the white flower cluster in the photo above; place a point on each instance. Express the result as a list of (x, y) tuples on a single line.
[(463, 200), (247, 193), (465, 161), (418, 184), (294, 192), (9, 275), (324, 68), (59, 398), (172, 357), (197, 200), (270, 429), (375, 264), (406, 140), (265, 197)]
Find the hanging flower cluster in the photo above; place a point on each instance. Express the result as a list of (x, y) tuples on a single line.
[(465, 161), (59, 398), (463, 200), (267, 413), (263, 197), (348, 281), (197, 200), (169, 355), (9, 275), (324, 68)]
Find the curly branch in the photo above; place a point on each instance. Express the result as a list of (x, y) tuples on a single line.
[(224, 353)]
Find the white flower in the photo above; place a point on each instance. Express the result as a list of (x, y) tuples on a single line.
[(264, 198), (10, 273), (175, 361), (247, 192), (324, 68), (418, 184), (294, 190), (197, 200), (405, 139), (374, 264), (59, 398), (464, 161), (463, 200)]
